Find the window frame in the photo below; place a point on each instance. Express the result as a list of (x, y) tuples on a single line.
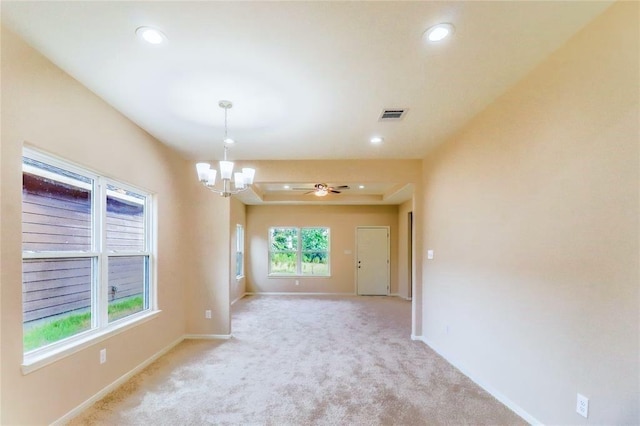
[(101, 328), (298, 251)]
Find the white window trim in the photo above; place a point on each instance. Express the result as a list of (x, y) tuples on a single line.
[(101, 328), (299, 273)]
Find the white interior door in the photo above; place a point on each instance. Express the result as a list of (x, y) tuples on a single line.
[(372, 245)]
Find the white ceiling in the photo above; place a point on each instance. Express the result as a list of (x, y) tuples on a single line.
[(308, 79)]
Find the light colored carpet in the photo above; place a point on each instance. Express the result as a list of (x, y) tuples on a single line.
[(298, 360)]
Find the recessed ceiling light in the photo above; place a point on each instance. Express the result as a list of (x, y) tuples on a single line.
[(361, 186), (376, 140), (287, 187), (439, 32), (151, 35), (229, 141)]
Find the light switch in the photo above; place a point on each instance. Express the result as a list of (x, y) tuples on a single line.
[(429, 254)]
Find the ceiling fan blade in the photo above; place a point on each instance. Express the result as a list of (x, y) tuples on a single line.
[(341, 187), (334, 191)]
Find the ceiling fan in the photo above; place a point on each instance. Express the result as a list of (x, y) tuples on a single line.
[(322, 189)]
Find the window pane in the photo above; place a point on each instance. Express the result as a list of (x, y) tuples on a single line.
[(315, 263), (128, 286), (56, 299), (56, 209), (125, 220), (314, 239), (282, 263), (284, 239), (315, 251)]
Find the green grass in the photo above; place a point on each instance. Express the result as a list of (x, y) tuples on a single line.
[(56, 330), (308, 268), (124, 308), (70, 325)]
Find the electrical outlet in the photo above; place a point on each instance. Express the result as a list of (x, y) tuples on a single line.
[(207, 314), (103, 356), (297, 282), (582, 406)]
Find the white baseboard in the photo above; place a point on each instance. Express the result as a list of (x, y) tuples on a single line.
[(111, 387), (400, 296), (208, 336), (239, 297), (494, 392), (295, 293)]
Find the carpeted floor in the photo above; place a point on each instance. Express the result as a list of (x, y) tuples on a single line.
[(298, 360)]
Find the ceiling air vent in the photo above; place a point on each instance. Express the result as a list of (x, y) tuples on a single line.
[(395, 114)]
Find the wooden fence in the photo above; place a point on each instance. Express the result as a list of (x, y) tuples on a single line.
[(57, 217)]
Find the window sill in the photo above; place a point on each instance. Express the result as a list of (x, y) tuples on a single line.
[(297, 276), (41, 358)]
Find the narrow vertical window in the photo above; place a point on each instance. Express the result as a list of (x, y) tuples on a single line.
[(239, 251)]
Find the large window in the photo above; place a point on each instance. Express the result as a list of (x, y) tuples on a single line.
[(86, 252), (299, 251)]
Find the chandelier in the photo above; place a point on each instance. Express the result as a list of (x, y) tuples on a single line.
[(207, 175)]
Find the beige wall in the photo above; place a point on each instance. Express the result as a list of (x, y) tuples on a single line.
[(47, 109), (342, 220), (533, 214), (404, 263), (210, 233)]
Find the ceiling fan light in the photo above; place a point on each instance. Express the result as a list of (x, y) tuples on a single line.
[(321, 192)]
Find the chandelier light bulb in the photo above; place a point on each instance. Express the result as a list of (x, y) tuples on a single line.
[(249, 174), (203, 171), (211, 177), (238, 180), (226, 169)]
